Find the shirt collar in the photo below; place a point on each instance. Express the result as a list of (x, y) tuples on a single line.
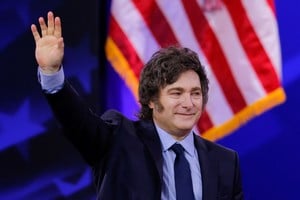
[(167, 141)]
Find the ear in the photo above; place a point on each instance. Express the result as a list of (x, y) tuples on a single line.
[(151, 104)]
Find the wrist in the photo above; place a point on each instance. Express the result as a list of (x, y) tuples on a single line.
[(48, 70)]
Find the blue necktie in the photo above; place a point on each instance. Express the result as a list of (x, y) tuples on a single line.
[(183, 180)]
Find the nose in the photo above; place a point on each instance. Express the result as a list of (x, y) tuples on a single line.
[(187, 101)]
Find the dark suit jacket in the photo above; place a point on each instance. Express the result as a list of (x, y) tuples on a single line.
[(126, 156)]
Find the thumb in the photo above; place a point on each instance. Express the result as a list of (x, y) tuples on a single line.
[(60, 43)]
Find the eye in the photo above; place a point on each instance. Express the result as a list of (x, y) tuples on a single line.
[(197, 94), (175, 94)]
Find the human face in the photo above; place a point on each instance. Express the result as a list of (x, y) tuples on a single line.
[(179, 105)]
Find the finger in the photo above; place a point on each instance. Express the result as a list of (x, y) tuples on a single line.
[(35, 33), (50, 23), (57, 25), (43, 26)]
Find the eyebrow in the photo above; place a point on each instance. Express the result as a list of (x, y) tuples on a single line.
[(181, 89)]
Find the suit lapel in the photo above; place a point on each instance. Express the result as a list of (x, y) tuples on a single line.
[(209, 170), (208, 162), (149, 136)]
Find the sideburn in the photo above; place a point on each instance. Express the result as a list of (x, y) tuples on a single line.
[(158, 106)]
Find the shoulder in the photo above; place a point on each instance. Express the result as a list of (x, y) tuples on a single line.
[(114, 117), (216, 149)]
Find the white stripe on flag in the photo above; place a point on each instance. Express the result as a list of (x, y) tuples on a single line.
[(265, 26), (217, 101), (241, 68), (135, 29)]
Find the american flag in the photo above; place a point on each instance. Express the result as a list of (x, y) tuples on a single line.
[(237, 42)]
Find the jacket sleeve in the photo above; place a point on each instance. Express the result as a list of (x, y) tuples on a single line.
[(90, 134)]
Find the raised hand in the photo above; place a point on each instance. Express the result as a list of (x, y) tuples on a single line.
[(49, 50)]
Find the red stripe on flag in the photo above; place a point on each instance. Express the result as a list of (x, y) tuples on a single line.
[(204, 123), (156, 22), (214, 55), (125, 46), (272, 6), (253, 47)]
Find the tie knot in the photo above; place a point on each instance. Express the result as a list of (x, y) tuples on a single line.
[(177, 148)]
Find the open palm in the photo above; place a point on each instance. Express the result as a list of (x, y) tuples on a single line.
[(49, 44)]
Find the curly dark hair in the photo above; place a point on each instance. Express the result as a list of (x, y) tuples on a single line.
[(164, 68)]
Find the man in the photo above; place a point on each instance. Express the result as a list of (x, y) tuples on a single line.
[(144, 159)]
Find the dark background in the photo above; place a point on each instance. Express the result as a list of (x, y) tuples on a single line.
[(37, 162)]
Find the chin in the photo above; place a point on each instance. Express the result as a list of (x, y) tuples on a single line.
[(186, 125), (185, 128)]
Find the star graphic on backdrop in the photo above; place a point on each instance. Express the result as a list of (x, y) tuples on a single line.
[(9, 17), (23, 10), (17, 127), (80, 63), (20, 13), (23, 13), (66, 188)]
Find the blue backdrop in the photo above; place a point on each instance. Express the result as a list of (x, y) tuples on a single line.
[(37, 162)]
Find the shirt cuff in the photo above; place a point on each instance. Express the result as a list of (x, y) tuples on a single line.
[(51, 83)]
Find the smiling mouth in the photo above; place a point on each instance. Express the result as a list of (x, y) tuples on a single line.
[(186, 114)]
